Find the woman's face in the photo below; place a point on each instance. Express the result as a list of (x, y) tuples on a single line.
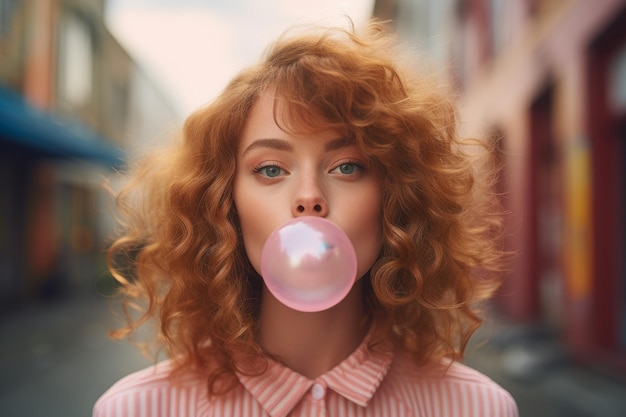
[(281, 176)]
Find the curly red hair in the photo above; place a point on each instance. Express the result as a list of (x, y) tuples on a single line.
[(181, 251)]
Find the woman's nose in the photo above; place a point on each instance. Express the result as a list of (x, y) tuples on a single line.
[(309, 200)]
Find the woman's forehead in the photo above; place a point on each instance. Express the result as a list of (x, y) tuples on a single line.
[(293, 115)]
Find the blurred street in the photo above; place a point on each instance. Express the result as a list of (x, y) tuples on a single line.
[(535, 368), (56, 359)]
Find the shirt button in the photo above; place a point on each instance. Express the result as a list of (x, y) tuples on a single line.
[(318, 391)]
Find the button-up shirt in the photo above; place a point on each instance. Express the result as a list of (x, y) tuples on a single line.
[(365, 384)]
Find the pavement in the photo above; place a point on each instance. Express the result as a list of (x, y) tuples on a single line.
[(535, 367), (56, 360)]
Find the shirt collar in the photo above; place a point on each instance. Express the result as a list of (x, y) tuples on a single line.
[(357, 378)]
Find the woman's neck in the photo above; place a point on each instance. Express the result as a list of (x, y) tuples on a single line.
[(312, 343)]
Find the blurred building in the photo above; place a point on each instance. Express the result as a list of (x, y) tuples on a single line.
[(72, 105), (546, 79)]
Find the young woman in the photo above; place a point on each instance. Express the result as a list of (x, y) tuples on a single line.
[(331, 124)]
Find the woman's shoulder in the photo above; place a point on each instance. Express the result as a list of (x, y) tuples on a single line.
[(451, 383), (151, 376), (151, 389), (444, 372)]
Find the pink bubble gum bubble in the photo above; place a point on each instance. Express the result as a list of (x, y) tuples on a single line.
[(309, 264)]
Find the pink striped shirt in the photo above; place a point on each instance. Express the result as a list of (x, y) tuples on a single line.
[(365, 384)]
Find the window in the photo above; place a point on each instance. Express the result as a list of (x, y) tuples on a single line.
[(75, 61)]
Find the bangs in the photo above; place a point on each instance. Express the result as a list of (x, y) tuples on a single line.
[(304, 102), (331, 80)]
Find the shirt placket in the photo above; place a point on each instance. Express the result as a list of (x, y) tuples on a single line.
[(314, 404)]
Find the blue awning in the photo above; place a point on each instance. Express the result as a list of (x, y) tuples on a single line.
[(49, 135)]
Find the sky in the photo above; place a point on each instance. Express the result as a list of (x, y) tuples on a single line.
[(192, 48)]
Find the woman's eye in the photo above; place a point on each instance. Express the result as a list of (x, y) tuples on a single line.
[(347, 168), (269, 171)]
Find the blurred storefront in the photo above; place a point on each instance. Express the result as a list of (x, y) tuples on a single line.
[(73, 103), (546, 79)]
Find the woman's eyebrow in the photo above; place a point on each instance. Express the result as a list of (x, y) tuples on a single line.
[(339, 143), (277, 144)]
